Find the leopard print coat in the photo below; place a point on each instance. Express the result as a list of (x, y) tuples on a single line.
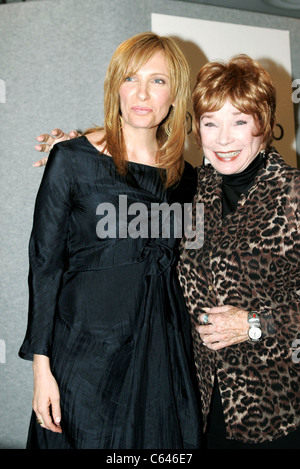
[(250, 259)]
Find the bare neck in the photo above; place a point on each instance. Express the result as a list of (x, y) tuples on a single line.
[(141, 145)]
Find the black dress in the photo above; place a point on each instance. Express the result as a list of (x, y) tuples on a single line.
[(109, 312)]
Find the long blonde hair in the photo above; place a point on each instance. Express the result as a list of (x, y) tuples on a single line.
[(171, 133)]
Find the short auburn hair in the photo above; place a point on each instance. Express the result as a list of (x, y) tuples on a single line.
[(246, 84)]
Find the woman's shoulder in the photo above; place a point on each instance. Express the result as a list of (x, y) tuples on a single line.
[(205, 173), (96, 137), (285, 172), (87, 141), (78, 151)]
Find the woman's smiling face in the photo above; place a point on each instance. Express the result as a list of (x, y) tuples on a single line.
[(228, 139)]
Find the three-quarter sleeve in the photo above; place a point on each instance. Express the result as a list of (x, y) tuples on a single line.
[(48, 252)]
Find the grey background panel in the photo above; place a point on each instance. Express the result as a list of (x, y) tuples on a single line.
[(54, 56)]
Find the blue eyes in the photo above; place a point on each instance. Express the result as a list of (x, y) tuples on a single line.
[(158, 81), (239, 122)]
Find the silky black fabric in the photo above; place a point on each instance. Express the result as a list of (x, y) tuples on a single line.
[(109, 312)]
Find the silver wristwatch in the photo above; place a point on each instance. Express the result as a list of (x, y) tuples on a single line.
[(254, 331)]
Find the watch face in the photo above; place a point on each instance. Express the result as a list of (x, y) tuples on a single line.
[(254, 333)]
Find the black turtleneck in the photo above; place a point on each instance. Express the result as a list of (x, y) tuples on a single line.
[(234, 185)]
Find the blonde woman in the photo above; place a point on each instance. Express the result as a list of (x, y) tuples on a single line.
[(107, 330)]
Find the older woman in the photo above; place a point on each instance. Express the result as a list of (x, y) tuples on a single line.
[(107, 330), (242, 286)]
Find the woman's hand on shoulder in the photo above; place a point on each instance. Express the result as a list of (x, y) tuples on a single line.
[(47, 141)]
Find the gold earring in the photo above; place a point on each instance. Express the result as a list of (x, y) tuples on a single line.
[(168, 128), (109, 121)]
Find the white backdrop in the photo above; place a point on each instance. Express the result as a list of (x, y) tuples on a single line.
[(204, 41)]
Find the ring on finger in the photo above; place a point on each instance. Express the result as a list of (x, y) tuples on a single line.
[(40, 421), (205, 319)]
